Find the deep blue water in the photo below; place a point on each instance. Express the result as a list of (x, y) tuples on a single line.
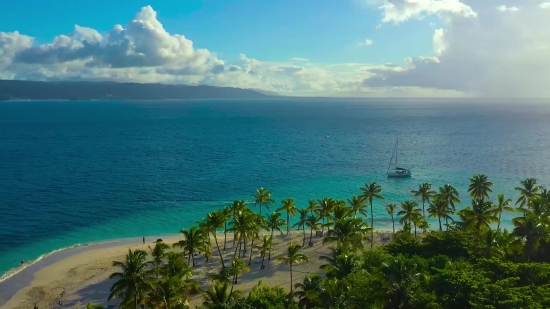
[(78, 172)]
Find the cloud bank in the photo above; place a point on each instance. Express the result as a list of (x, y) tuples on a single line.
[(484, 48), (482, 51)]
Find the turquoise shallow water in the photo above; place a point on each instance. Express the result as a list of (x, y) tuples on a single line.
[(79, 172)]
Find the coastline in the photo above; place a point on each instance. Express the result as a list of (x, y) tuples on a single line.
[(83, 273), (21, 276)]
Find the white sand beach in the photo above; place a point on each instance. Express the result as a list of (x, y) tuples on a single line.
[(82, 278)]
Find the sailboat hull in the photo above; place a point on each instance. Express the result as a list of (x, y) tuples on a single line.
[(399, 174)]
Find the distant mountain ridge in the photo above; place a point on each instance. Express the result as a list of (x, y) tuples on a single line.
[(66, 90)]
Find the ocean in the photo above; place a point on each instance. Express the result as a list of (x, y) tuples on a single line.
[(82, 172)]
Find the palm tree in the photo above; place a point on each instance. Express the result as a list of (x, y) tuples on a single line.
[(348, 233), (312, 222), (401, 279), (133, 279), (274, 222), (417, 220), (479, 187), (224, 275), (357, 205), (371, 191), (262, 197), (343, 265), (450, 195), (438, 209), (409, 211), (215, 220), (340, 211), (227, 212), (265, 248), (531, 229), (479, 217), (220, 296), (390, 209), (293, 257), (245, 226), (324, 208), (490, 244), (158, 253), (424, 192), (177, 267), (312, 206), (527, 190), (168, 292), (310, 289), (302, 222), (238, 266), (290, 208), (194, 240), (503, 205)]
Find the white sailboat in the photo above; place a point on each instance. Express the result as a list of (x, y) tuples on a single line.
[(398, 171)]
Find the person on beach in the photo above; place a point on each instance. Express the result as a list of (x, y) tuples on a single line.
[(143, 239), (22, 261)]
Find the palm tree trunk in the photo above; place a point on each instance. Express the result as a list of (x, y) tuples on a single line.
[(423, 211), (371, 225), (135, 300), (287, 223), (393, 223), (499, 215), (250, 256), (291, 278), (440, 227), (219, 251), (304, 229), (263, 259), (236, 246), (244, 248), (415, 230), (311, 236), (189, 258), (224, 235)]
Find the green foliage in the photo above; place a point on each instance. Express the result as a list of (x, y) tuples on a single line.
[(265, 297), (470, 266)]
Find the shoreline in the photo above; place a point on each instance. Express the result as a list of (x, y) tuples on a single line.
[(21, 276), (17, 288), (45, 259), (82, 275)]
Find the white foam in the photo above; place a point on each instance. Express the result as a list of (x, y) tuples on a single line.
[(14, 271)]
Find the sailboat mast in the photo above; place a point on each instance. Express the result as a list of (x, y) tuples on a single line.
[(392, 154), (396, 145)]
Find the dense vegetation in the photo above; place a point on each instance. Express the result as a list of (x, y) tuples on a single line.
[(35, 90), (466, 261)]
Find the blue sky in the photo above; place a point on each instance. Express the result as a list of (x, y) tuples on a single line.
[(324, 31), (420, 48)]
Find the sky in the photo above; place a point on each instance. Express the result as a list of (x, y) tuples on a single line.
[(339, 48)]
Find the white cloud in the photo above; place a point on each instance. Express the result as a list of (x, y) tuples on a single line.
[(398, 11), (545, 5), (476, 51), (493, 54), (366, 42), (504, 8)]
